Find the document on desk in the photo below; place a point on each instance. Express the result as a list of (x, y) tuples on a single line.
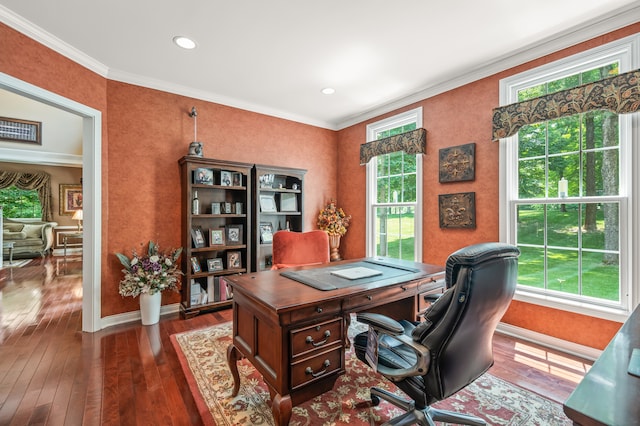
[(356, 273)]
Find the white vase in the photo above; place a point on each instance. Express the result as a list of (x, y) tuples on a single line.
[(150, 308)]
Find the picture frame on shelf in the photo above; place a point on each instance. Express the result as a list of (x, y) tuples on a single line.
[(238, 208), (214, 264), (216, 237), (288, 202), (233, 234), (195, 265), (226, 208), (215, 208), (236, 179), (225, 178), (268, 203), (266, 232), (234, 260), (203, 176), (197, 237)]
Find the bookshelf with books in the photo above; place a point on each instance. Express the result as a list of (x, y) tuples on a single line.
[(216, 230), (277, 205)]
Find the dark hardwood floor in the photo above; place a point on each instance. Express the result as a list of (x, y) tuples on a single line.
[(52, 373)]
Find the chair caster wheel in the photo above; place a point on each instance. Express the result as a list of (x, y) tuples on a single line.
[(375, 400)]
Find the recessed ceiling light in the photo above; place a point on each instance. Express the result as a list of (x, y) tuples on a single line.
[(328, 90), (184, 42)]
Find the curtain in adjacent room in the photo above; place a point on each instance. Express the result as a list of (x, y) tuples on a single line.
[(619, 94), (413, 142), (39, 181)]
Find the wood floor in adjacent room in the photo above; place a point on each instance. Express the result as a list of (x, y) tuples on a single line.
[(52, 373)]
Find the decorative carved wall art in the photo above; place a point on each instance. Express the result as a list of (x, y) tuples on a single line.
[(457, 210), (458, 163)]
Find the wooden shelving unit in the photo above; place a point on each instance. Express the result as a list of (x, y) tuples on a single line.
[(217, 240), (278, 204)]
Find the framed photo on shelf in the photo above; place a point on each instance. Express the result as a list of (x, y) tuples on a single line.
[(203, 176), (214, 264), (226, 208), (225, 178), (216, 237), (268, 203), (266, 232), (288, 202), (234, 260), (215, 208), (233, 235), (195, 265), (197, 237), (238, 207), (236, 179)]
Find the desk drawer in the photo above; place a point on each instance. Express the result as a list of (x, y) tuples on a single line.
[(315, 336), (316, 367), (378, 297), (319, 310)]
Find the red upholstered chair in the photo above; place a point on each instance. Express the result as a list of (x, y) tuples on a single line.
[(300, 248)]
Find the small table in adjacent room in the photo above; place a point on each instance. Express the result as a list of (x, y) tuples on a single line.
[(66, 237), (10, 247)]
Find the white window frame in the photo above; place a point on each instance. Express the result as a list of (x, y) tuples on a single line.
[(373, 129), (627, 52)]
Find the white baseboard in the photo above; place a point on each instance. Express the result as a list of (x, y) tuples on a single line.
[(134, 316), (565, 346)]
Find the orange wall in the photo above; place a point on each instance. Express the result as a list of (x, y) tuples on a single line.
[(146, 131), (457, 117)]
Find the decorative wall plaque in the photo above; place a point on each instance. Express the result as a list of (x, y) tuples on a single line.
[(457, 163), (457, 210)]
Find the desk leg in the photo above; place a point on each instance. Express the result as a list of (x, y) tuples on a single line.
[(281, 409), (233, 356)]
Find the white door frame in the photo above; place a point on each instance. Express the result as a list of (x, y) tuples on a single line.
[(91, 189)]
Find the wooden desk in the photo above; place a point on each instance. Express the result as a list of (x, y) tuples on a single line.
[(608, 395), (295, 335)]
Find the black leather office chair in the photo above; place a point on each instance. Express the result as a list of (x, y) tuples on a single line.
[(434, 359)]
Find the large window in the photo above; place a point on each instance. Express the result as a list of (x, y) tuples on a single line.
[(566, 193), (20, 203), (394, 193)]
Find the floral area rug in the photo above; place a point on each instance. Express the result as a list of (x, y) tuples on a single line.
[(202, 354)]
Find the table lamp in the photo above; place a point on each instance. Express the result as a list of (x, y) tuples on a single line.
[(78, 216)]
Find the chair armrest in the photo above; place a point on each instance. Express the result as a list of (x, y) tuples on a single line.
[(386, 326), (381, 323)]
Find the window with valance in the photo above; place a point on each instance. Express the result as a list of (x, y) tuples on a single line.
[(38, 181)]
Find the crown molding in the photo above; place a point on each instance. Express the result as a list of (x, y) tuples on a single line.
[(36, 33), (10, 155)]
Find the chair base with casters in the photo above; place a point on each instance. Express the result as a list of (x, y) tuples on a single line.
[(426, 416), (434, 359)]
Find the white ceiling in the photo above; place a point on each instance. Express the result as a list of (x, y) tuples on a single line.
[(275, 56)]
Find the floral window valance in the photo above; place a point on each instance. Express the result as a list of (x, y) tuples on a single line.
[(40, 181), (619, 94), (413, 142)]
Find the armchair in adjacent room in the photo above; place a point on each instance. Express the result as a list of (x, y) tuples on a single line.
[(452, 347), (300, 248)]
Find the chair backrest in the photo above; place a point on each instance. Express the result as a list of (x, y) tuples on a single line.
[(481, 281), (300, 248)]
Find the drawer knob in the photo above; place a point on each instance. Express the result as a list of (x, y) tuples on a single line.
[(309, 339), (369, 297), (319, 310), (310, 371)]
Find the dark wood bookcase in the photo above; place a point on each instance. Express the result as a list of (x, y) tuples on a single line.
[(217, 240), (278, 200)]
